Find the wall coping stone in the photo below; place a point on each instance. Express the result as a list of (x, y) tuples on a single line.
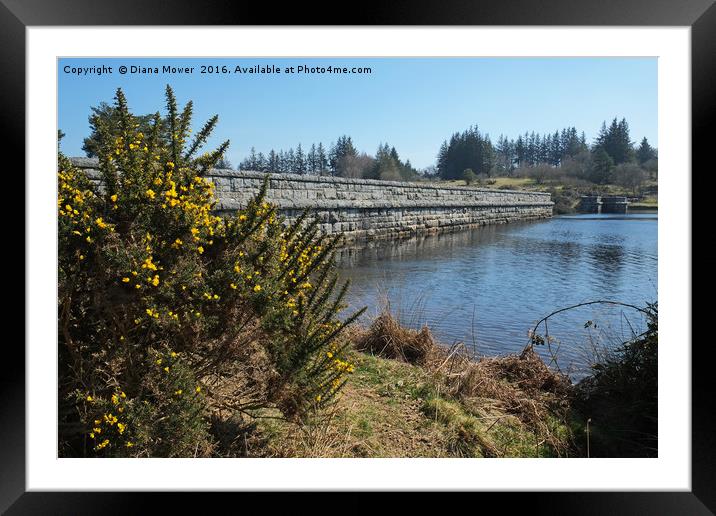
[(93, 164)]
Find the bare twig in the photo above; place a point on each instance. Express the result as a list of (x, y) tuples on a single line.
[(533, 332)]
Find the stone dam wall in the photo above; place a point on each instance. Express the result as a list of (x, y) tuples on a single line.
[(365, 208)]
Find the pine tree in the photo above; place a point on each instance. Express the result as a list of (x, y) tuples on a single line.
[(533, 149), (290, 165), (333, 156), (342, 148), (602, 137), (520, 151), (349, 148), (469, 149), (407, 171), (250, 162), (274, 162), (624, 145), (615, 141), (282, 162), (645, 152), (312, 160), (505, 154), (322, 159), (545, 146), (442, 161), (386, 166), (253, 160), (261, 162), (394, 154), (564, 141), (556, 150), (300, 161), (572, 144), (602, 167)]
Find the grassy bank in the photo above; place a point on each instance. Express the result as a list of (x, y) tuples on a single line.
[(566, 195), (410, 397), (648, 203)]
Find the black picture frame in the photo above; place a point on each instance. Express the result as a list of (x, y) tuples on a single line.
[(700, 15)]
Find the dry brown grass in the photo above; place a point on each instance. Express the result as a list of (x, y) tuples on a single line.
[(522, 386), (412, 397), (388, 339), (375, 415)]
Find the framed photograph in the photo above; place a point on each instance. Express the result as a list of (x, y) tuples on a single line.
[(430, 250)]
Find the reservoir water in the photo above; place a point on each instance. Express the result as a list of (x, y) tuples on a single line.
[(488, 286)]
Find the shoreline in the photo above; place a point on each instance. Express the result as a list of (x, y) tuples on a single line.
[(418, 398), (412, 397)]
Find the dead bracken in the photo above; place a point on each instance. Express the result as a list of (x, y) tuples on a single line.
[(518, 386)]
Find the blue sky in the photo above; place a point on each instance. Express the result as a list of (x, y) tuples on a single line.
[(411, 103)]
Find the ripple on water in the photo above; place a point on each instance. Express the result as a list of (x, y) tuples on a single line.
[(489, 285)]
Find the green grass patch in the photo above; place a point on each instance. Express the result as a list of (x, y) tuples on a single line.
[(395, 409)]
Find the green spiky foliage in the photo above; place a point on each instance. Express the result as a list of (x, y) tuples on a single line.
[(171, 313)]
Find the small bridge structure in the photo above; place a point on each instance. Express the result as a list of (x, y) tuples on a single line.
[(603, 204)]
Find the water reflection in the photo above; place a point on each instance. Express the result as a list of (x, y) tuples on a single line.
[(487, 286)]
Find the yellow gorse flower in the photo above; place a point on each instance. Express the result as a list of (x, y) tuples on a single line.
[(188, 228), (148, 264)]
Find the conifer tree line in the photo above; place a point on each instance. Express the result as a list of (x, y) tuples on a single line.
[(298, 161), (611, 158), (341, 159), (611, 155)]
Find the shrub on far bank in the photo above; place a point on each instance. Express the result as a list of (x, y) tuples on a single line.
[(565, 200), (169, 313), (630, 177), (468, 176)]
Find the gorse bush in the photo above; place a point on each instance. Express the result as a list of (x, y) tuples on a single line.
[(169, 313)]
